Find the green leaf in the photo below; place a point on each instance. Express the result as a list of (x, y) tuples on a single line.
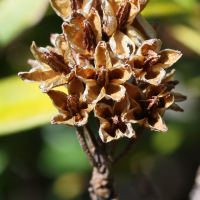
[(166, 143), (18, 15), (163, 8), (23, 106), (187, 36), (61, 151)]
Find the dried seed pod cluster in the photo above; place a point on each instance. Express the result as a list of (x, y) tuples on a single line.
[(109, 59)]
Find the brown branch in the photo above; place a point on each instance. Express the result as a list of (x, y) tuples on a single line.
[(90, 135), (83, 143), (134, 139)]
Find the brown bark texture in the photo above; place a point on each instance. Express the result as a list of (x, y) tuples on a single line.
[(101, 157)]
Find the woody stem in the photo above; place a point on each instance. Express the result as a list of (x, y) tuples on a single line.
[(132, 142), (83, 143), (90, 136)]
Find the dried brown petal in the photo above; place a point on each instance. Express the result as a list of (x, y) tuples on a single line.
[(179, 97), (38, 53), (115, 92), (135, 35), (109, 19), (93, 92), (155, 75), (71, 111), (112, 128), (75, 35), (121, 45), (134, 116), (102, 57), (76, 4), (59, 99), (33, 63), (120, 107), (123, 13), (143, 4), (75, 87), (153, 45), (102, 76), (95, 21), (120, 74), (53, 38), (144, 27), (37, 74), (175, 107), (169, 57), (56, 81), (56, 62), (87, 6), (155, 123), (89, 39), (169, 76), (85, 72), (49, 77), (135, 8), (134, 92), (62, 44), (61, 7), (115, 4)]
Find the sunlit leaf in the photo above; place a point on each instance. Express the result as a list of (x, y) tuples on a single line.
[(23, 106), (187, 36), (162, 8), (18, 15), (188, 4)]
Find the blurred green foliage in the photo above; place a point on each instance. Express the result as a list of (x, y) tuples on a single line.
[(16, 16), (46, 162)]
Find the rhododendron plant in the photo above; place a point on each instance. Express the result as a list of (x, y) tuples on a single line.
[(111, 63)]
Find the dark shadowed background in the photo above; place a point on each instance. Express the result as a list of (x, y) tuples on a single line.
[(40, 161)]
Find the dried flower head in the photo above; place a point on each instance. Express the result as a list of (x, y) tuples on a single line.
[(104, 46)]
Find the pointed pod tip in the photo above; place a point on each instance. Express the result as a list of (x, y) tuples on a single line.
[(44, 91), (53, 122), (165, 129), (64, 24)]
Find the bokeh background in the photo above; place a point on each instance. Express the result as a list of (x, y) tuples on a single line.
[(39, 161)]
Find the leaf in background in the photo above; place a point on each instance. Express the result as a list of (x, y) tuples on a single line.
[(23, 106), (18, 15), (187, 36), (166, 143), (4, 160), (162, 9), (188, 4), (61, 151)]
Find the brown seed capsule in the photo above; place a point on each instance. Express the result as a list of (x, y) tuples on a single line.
[(73, 105), (76, 4), (89, 40), (102, 76), (123, 14), (56, 62)]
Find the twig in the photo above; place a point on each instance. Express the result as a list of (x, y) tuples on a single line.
[(130, 144), (83, 143), (90, 135)]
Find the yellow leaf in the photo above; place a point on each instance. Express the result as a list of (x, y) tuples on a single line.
[(23, 106), (164, 9), (187, 36)]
